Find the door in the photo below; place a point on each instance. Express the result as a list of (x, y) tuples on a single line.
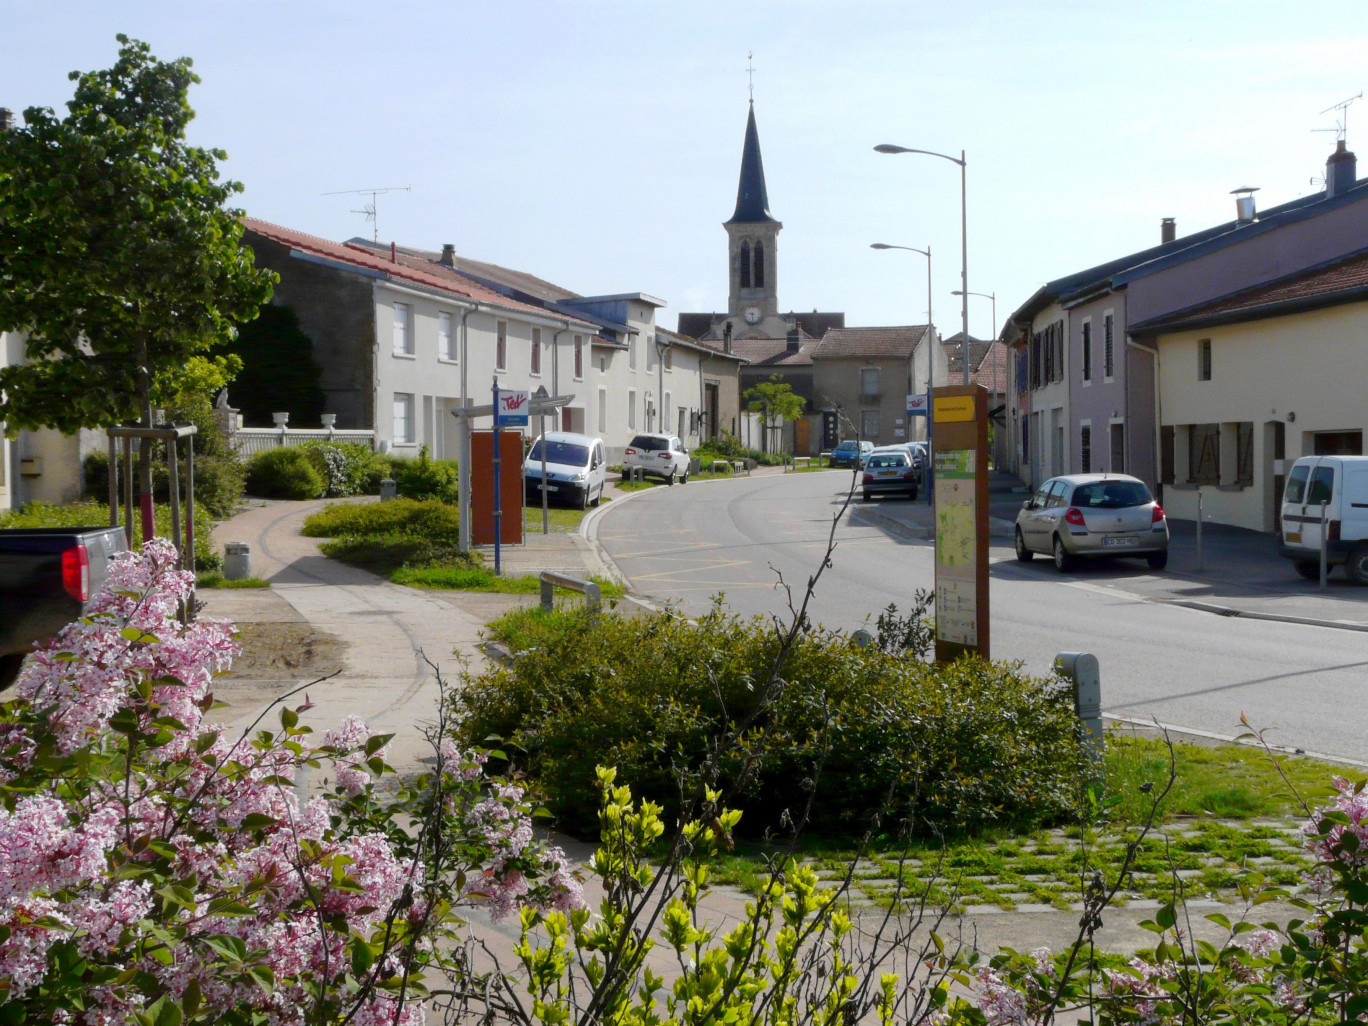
[(1306, 515), (1118, 449), (1036, 527), (802, 436)]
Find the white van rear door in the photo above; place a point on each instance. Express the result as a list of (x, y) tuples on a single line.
[(1354, 501), (1294, 503), (1320, 492)]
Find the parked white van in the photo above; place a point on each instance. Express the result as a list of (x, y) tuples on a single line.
[(1340, 484), (576, 469)]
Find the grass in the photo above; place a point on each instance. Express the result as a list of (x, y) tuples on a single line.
[(1229, 817), (560, 519), (482, 579), (213, 579)]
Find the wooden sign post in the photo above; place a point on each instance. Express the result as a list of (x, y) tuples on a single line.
[(960, 419)]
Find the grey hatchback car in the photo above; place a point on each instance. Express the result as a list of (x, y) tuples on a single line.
[(1091, 515)]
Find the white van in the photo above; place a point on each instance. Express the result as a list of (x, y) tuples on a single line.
[(1340, 483), (576, 469)]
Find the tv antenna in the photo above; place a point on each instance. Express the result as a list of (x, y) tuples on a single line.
[(370, 209), (1341, 120)]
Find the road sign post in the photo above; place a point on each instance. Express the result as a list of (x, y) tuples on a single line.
[(960, 418)]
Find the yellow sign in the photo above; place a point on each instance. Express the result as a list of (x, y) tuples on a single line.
[(952, 408)]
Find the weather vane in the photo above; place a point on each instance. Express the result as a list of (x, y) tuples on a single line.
[(370, 209), (750, 74)]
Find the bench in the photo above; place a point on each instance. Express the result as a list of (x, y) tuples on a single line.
[(734, 466), (804, 460)]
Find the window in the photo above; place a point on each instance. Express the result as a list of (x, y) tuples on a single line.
[(631, 409), (1166, 454), (1322, 485), (1087, 352), (403, 418), (869, 383), (1244, 454), (1059, 347), (869, 424), (1085, 448), (668, 352), (579, 359), (445, 349), (1204, 454), (631, 352), (1035, 360), (1048, 343), (1023, 369), (1108, 349), (602, 410), (1055, 496), (759, 275), (501, 345), (1296, 483), (403, 330), (683, 422), (745, 265), (1204, 360), (536, 351)]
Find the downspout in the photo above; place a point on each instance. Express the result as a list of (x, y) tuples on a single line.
[(463, 439), (1158, 411)]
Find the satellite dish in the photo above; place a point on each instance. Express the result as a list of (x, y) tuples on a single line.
[(862, 639)]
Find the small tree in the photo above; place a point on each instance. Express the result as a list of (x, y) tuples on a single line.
[(776, 402), (119, 258)]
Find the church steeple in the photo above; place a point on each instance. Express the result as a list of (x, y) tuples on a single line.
[(752, 201)]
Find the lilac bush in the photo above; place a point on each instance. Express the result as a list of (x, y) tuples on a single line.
[(157, 868)]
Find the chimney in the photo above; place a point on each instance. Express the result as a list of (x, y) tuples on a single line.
[(1168, 230), (394, 258), (1340, 170), (794, 342), (726, 339), (6, 119), (448, 255), (1244, 203)]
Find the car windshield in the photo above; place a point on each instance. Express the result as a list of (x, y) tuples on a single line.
[(847, 446), (650, 443), (1110, 495), (889, 459), (567, 453)]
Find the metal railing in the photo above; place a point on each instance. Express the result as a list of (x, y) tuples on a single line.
[(250, 441), (550, 581)]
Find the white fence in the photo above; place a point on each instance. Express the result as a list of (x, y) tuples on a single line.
[(250, 441)]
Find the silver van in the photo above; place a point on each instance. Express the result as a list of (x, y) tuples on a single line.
[(1329, 490)]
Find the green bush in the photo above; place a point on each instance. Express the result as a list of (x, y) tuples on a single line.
[(96, 514), (383, 554), (218, 482), (285, 473), (431, 518), (956, 746), (424, 478), (347, 468)]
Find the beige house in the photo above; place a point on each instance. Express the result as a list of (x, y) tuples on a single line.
[(865, 375), (1251, 381)]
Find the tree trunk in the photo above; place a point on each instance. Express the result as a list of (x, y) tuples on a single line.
[(145, 445)]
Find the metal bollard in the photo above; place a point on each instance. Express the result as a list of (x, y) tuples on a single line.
[(1199, 530), (1082, 670), (237, 561), (1324, 544), (388, 489)]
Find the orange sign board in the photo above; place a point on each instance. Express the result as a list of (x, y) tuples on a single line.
[(482, 487)]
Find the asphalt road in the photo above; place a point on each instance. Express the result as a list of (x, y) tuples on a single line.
[(1191, 669)]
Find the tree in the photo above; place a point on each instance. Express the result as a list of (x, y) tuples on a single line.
[(776, 402), (278, 369), (119, 258)]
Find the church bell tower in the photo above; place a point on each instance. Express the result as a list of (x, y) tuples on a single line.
[(752, 243)]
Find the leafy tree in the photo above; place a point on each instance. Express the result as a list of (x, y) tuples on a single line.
[(120, 260), (775, 401)]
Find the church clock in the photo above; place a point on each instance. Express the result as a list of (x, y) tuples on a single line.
[(752, 315)]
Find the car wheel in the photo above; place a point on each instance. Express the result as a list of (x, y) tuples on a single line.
[(1157, 560), (598, 498), (685, 478), (1023, 554), (1356, 566), (866, 496), (670, 478), (1309, 570), (1063, 561), (584, 497), (912, 495)]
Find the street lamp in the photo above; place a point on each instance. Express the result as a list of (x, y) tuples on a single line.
[(992, 339), (964, 233), (930, 358)]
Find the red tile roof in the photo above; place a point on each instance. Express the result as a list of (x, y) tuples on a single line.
[(403, 269), (891, 343), (774, 352)]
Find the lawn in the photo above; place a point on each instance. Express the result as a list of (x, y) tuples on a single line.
[(1229, 817)]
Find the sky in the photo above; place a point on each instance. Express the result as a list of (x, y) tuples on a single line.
[(597, 143)]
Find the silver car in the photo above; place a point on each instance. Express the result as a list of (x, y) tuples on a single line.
[(1089, 515)]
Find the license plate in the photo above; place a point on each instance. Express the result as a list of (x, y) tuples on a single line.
[(1293, 537), (887, 473), (1120, 543), (546, 487)]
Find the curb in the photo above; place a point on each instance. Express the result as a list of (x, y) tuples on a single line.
[(1305, 621)]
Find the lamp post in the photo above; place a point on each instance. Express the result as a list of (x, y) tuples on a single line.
[(964, 234), (930, 358), (992, 340)]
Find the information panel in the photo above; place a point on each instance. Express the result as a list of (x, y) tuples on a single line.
[(960, 418)]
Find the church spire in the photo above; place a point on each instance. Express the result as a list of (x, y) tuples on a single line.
[(752, 202)]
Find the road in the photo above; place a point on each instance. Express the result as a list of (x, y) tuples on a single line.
[(1183, 667)]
